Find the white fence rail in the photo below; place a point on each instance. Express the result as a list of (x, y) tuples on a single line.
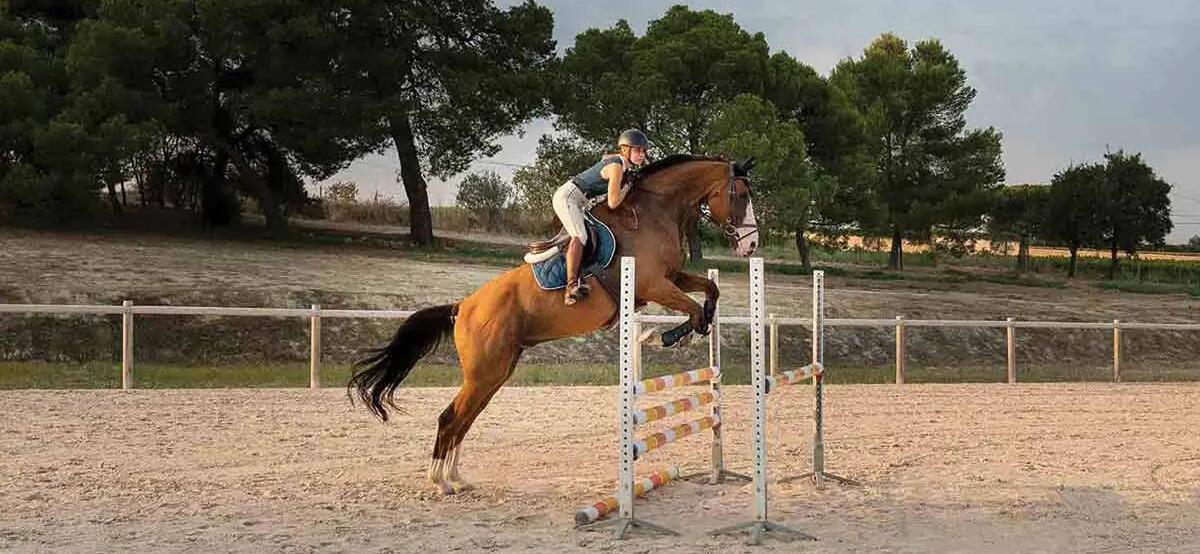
[(127, 310)]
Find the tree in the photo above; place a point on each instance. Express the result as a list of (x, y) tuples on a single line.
[(1194, 242), (1019, 212), (342, 191), (486, 195), (247, 88), (46, 157), (1074, 209), (559, 157), (932, 170), (1137, 209), (670, 82), (447, 78), (834, 135), (786, 186)]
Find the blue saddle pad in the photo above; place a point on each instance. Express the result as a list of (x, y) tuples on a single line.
[(552, 274)]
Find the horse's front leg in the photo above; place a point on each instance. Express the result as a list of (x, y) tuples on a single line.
[(695, 283), (667, 295)]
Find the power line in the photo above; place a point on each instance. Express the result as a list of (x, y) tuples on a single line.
[(1186, 196), (505, 164)]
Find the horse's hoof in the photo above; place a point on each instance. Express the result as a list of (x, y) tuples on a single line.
[(459, 486), (671, 341), (451, 488)]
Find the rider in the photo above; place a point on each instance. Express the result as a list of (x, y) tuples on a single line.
[(571, 199)]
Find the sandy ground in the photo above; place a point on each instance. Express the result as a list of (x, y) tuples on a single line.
[(946, 468)]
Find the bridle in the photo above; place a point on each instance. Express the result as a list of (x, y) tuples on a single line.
[(732, 231)]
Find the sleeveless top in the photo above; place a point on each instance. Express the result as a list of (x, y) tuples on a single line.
[(591, 182)]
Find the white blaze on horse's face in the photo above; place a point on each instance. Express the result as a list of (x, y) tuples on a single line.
[(747, 239)]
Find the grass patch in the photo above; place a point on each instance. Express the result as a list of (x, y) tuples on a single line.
[(98, 375), (40, 375), (1148, 288)]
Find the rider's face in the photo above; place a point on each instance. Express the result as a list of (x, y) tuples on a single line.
[(637, 154)]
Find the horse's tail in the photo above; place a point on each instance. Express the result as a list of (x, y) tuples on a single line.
[(377, 375)]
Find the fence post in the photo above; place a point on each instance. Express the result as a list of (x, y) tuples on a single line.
[(1011, 340), (1116, 351), (314, 353), (899, 350), (774, 344), (127, 344)]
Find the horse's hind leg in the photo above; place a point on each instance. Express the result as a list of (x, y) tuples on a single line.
[(485, 369)]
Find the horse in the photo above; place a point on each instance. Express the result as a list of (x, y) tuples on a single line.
[(510, 313)]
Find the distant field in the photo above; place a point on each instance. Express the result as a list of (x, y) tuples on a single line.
[(984, 245)]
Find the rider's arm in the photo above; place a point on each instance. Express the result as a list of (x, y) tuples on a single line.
[(614, 172)]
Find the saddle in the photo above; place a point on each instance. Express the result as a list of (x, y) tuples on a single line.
[(549, 259)]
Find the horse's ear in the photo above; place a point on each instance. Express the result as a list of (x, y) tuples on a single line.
[(747, 165)]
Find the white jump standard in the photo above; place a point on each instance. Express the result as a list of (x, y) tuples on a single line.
[(761, 524), (631, 388), (818, 474)]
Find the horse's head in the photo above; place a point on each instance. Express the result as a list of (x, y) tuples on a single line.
[(730, 208)]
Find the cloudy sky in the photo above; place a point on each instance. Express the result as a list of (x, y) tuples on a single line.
[(1063, 81)]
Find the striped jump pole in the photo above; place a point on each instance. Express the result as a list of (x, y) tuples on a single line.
[(790, 377), (761, 524), (609, 504), (632, 387), (669, 409)]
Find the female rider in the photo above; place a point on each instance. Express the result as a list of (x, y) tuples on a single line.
[(572, 199)]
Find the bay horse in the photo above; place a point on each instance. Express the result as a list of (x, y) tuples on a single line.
[(510, 313)]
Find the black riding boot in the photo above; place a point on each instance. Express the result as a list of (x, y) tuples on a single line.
[(576, 289)]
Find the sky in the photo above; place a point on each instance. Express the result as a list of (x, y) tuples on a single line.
[(1064, 82)]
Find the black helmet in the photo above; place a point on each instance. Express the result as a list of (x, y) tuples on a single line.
[(633, 137)]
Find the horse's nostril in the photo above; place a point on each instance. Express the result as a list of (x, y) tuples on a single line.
[(753, 245)]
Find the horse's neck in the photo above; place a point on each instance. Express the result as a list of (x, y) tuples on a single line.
[(677, 191)]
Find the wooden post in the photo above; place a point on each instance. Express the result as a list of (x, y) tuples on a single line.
[(1116, 351), (1011, 340), (127, 344), (899, 350), (774, 340), (314, 353)]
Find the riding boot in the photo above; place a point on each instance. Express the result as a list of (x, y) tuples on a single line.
[(576, 289)]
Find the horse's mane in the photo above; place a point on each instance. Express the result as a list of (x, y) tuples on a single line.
[(675, 159)]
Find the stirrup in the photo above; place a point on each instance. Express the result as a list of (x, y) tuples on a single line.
[(575, 292)]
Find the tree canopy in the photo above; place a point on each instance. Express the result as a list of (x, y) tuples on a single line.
[(204, 104), (931, 170)]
